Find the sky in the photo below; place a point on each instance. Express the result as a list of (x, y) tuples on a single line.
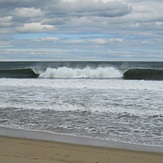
[(78, 30)]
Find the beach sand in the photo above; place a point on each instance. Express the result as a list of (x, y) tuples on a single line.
[(18, 150)]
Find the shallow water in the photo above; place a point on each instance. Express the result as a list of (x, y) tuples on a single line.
[(118, 110)]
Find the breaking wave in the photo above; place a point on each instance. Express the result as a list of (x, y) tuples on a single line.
[(86, 73)]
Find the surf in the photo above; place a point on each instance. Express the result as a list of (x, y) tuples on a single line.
[(84, 73)]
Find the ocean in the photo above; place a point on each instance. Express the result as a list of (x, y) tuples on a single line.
[(115, 101)]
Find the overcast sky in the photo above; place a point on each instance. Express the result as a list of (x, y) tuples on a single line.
[(110, 30)]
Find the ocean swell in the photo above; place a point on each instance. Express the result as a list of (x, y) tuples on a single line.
[(143, 74), (18, 73)]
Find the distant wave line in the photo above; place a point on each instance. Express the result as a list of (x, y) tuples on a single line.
[(84, 73)]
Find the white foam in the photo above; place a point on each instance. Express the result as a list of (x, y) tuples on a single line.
[(97, 73), (115, 96), (96, 101), (85, 83), (79, 140)]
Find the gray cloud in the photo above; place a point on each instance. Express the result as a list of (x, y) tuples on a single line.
[(89, 8), (12, 4), (132, 24), (17, 14), (58, 11)]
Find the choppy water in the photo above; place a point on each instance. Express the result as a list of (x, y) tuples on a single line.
[(110, 109)]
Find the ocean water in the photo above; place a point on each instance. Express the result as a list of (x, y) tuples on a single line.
[(88, 99)]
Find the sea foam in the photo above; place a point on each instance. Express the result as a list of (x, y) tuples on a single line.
[(87, 72)]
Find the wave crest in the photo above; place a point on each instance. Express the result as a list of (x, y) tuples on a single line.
[(87, 72), (18, 73), (143, 74)]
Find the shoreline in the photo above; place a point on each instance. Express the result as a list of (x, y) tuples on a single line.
[(16, 150), (19, 146), (75, 140)]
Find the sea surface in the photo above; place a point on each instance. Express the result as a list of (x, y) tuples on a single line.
[(88, 99)]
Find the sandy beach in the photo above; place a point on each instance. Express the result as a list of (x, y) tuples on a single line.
[(18, 150)]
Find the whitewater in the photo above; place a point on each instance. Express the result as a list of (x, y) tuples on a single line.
[(97, 73), (87, 101)]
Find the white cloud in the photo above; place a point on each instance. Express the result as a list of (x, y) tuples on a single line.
[(75, 41), (48, 39), (4, 31), (35, 27), (98, 41), (105, 40), (118, 40), (6, 21), (4, 44), (82, 25), (27, 12), (95, 41)]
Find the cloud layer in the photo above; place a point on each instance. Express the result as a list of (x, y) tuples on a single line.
[(75, 29)]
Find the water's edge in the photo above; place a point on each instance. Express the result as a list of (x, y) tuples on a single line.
[(45, 136)]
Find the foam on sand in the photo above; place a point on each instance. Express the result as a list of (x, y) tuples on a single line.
[(39, 135)]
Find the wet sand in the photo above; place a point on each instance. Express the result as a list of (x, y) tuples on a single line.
[(18, 150)]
